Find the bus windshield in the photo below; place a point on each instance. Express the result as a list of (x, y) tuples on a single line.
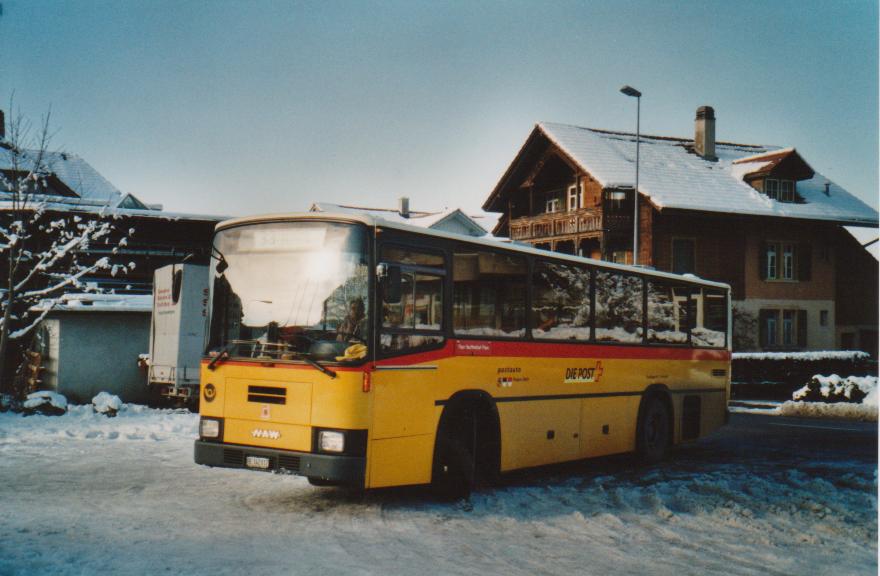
[(290, 290)]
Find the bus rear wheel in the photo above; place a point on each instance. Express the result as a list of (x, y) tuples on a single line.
[(654, 431), (453, 475)]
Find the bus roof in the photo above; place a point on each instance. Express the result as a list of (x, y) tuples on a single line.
[(484, 241)]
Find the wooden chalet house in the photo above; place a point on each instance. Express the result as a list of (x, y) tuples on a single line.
[(757, 217)]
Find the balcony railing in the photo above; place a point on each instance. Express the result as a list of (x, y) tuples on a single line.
[(566, 223)]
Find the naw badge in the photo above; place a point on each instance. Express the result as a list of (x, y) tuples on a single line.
[(264, 412)]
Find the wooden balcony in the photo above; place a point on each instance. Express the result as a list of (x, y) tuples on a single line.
[(581, 221)]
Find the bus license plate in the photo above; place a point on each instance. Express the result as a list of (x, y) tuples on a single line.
[(257, 462)]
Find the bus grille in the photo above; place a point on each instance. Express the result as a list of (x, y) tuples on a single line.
[(289, 463), (233, 457), (267, 395)]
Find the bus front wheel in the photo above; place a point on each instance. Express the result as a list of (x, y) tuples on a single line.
[(453, 475), (654, 430)]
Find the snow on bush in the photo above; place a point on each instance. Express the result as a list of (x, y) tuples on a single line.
[(106, 403), (853, 398), (857, 389), (45, 402)]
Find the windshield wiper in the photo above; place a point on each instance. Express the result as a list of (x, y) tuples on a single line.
[(315, 364), (224, 352), (222, 355)]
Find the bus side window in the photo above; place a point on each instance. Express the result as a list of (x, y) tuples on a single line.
[(489, 294), (667, 313), (710, 328), (561, 301), (618, 307), (420, 306), (416, 319)]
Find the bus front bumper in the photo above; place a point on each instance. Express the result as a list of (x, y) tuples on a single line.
[(348, 470)]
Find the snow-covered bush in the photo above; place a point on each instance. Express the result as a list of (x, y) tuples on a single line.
[(45, 402), (833, 388), (107, 404)]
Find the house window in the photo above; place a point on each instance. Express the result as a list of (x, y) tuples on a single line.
[(823, 318), (786, 191), (771, 319), (788, 328), (781, 190), (785, 261), (771, 272), (783, 328), (683, 259), (552, 205), (788, 262), (620, 257), (615, 199), (573, 198)]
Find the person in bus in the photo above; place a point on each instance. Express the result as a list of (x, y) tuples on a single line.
[(354, 325)]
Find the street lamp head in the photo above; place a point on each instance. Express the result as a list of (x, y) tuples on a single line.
[(630, 91)]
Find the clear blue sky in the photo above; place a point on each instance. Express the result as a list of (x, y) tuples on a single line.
[(234, 107)]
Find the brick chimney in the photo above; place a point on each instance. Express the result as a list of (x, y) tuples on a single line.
[(704, 133), (403, 206)]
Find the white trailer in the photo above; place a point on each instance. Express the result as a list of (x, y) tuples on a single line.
[(177, 334)]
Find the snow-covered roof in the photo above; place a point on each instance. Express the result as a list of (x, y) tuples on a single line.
[(420, 219), (51, 204), (867, 237), (674, 177), (103, 303), (74, 172)]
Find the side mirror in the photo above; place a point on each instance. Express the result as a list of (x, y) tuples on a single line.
[(389, 277)]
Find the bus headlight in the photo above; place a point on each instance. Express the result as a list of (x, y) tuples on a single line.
[(331, 441), (209, 428)]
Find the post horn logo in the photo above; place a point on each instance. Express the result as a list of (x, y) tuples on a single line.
[(210, 392)]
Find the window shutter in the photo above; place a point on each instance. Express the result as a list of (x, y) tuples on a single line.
[(762, 327), (802, 328), (805, 262), (762, 260)]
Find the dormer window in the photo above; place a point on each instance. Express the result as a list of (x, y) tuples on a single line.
[(780, 190), (552, 206)]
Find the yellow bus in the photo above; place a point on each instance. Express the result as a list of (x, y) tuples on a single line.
[(357, 351)]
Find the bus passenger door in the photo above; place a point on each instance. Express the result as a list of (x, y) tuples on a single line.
[(402, 430), (410, 322)]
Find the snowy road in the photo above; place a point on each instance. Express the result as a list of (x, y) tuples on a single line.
[(83, 494)]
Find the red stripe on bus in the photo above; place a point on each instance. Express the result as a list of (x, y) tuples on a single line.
[(490, 348), (496, 348)]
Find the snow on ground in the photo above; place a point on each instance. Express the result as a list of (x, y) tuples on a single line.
[(86, 494), (840, 410), (811, 355)]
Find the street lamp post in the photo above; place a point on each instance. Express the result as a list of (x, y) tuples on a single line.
[(630, 91)]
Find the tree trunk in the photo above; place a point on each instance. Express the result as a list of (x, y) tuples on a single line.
[(4, 330), (4, 344)]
